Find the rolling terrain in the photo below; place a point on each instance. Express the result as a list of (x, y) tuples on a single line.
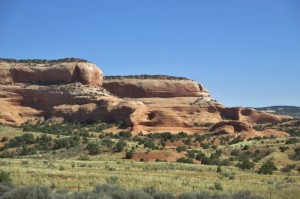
[(77, 157), (292, 111)]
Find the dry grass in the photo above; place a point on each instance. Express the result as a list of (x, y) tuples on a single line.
[(172, 177)]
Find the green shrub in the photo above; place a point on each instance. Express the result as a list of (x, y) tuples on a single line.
[(149, 143), (235, 152), (188, 141), (43, 61), (120, 146), (66, 142), (185, 160), (18, 141), (5, 177), (106, 188), (4, 188), (24, 162), (129, 154), (218, 186), (292, 141), (246, 147), (180, 149), (82, 195), (108, 143), (93, 148), (245, 195), (219, 169), (112, 179), (138, 194), (288, 168), (205, 145), (35, 192), (164, 77), (296, 155), (267, 168), (258, 127), (27, 151), (84, 158), (283, 148), (236, 140), (125, 134), (200, 156), (293, 132), (163, 143), (115, 192), (246, 164), (61, 168), (163, 195)]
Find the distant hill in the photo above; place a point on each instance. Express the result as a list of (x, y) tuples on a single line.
[(293, 111)]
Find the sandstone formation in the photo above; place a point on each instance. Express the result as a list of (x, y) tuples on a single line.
[(71, 91), (248, 115), (148, 88), (224, 130), (230, 127), (50, 73)]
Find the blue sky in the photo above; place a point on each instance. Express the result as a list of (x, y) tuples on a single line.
[(247, 53)]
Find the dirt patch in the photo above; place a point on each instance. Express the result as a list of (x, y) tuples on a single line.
[(152, 156)]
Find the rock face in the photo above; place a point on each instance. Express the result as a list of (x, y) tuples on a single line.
[(148, 88), (224, 130), (73, 102), (228, 126), (248, 115), (71, 91), (51, 73)]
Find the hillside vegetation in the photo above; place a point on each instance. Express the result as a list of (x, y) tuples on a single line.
[(161, 77), (76, 156), (292, 111), (43, 61)]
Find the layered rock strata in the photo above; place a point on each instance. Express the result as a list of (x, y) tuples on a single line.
[(71, 91), (50, 73)]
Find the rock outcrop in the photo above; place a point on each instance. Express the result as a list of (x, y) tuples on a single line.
[(248, 115), (236, 126), (71, 91), (149, 88), (50, 73)]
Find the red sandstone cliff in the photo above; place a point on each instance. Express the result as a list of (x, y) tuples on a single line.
[(49, 91), (50, 73), (148, 88)]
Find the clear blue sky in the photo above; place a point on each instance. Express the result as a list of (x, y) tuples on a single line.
[(246, 52)]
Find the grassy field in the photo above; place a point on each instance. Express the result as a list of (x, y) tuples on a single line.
[(172, 177), (62, 170)]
